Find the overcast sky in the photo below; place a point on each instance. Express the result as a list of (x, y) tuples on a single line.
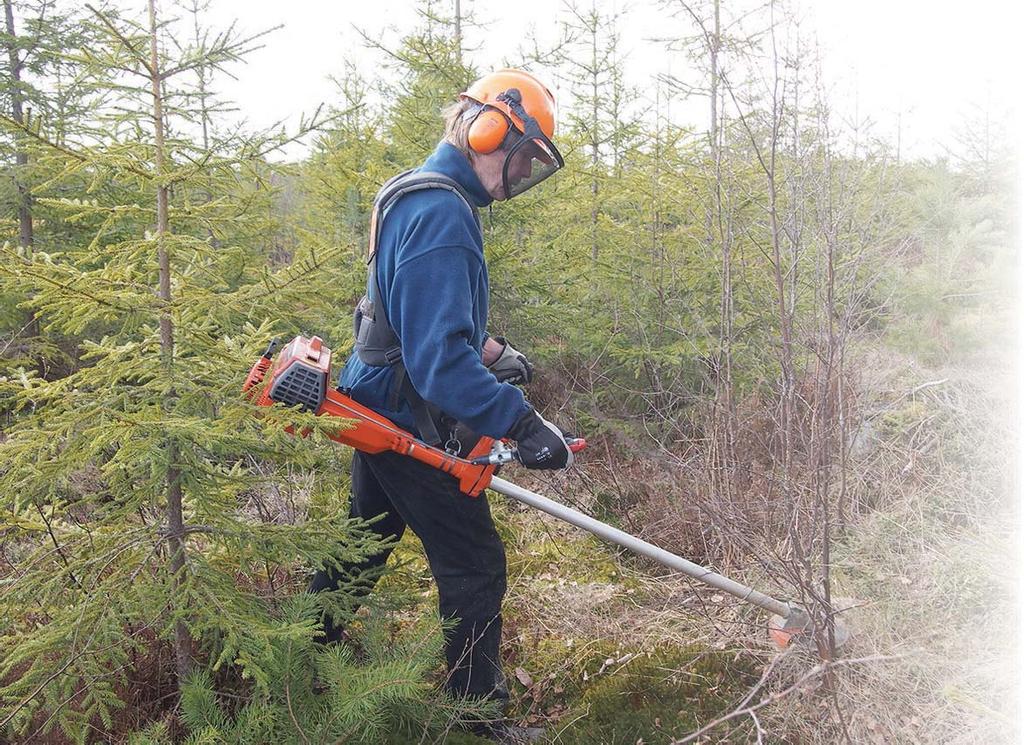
[(924, 63)]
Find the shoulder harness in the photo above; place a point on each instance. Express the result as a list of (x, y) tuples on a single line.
[(376, 342)]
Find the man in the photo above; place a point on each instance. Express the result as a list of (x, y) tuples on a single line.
[(425, 361)]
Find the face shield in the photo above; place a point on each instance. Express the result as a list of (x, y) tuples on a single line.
[(530, 156), (529, 161)]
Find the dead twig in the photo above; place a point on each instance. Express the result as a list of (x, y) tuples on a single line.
[(744, 710)]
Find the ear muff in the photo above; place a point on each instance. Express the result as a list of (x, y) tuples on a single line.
[(488, 130)]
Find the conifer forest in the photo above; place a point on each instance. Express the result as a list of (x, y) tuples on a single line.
[(789, 345)]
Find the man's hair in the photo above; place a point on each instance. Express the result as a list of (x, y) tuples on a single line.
[(456, 125)]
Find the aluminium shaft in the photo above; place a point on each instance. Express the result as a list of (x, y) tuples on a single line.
[(660, 555)]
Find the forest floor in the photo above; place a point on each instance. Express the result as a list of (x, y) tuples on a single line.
[(601, 647)]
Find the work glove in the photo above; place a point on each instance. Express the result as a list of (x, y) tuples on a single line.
[(540, 443), (511, 365)]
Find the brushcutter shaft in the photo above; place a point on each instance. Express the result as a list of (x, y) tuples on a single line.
[(300, 377), (660, 555)]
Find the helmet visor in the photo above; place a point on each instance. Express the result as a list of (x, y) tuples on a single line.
[(530, 160)]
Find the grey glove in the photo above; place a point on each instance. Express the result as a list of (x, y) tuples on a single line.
[(511, 365)]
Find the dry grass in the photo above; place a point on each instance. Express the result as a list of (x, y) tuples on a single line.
[(928, 559), (937, 561)]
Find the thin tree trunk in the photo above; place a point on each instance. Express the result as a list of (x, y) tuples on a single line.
[(796, 194), (175, 515), (204, 112), (837, 362), (26, 236), (716, 42), (17, 113), (594, 141), (787, 394), (458, 31), (724, 398)]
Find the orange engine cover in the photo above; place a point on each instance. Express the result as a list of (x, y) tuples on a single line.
[(300, 376)]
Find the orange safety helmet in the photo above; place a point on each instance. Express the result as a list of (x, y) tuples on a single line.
[(515, 112)]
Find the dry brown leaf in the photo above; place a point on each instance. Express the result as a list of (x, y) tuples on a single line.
[(524, 677)]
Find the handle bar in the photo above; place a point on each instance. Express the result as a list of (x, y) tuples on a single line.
[(507, 455)]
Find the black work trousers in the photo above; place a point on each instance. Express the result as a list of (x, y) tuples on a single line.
[(463, 548)]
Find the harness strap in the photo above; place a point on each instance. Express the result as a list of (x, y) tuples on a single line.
[(405, 183), (426, 415), (376, 342)]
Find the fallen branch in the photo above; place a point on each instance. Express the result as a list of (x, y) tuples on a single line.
[(744, 710)]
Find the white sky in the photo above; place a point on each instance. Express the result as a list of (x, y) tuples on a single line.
[(926, 62)]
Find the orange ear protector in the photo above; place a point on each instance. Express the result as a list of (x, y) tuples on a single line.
[(531, 156), (489, 128)]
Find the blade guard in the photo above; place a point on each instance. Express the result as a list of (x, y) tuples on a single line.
[(799, 628), (299, 377)]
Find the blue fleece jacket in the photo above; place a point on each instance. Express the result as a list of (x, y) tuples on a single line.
[(433, 283)]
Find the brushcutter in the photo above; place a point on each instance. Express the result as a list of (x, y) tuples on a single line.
[(300, 376)]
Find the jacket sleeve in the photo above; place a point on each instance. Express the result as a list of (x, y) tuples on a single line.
[(431, 309)]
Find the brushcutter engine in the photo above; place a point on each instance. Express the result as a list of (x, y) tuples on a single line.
[(300, 377)]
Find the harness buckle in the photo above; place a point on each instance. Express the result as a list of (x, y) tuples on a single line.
[(453, 446)]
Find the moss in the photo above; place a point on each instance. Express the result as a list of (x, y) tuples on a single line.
[(901, 420), (573, 557), (656, 697)]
